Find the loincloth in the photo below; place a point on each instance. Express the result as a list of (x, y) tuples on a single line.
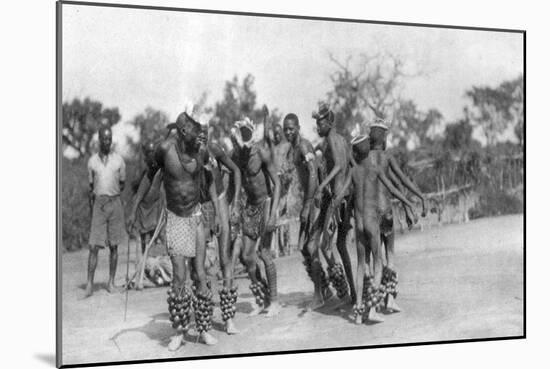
[(340, 216), (181, 233), (253, 218), (382, 217), (147, 216), (386, 222)]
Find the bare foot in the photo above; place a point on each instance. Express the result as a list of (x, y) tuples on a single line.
[(391, 305), (256, 310), (273, 309), (208, 339), (316, 303), (343, 302), (327, 294), (175, 342), (89, 290), (374, 317), (111, 288), (359, 319), (230, 327)]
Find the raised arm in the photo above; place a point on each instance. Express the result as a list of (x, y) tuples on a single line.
[(407, 182)]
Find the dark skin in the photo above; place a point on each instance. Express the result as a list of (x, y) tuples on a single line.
[(213, 151), (151, 171), (105, 141), (336, 155), (277, 134), (181, 183), (377, 141), (391, 168), (257, 168), (280, 149), (279, 146), (302, 155), (150, 182), (371, 198)]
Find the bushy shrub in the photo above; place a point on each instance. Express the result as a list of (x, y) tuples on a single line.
[(494, 202), (75, 211)]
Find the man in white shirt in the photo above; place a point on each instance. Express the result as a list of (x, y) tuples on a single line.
[(106, 175)]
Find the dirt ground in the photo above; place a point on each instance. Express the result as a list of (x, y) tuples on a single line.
[(456, 282)]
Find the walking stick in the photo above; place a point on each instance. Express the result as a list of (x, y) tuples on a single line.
[(127, 277), (160, 224), (140, 268)]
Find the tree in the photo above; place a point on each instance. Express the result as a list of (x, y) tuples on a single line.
[(81, 120), (151, 124), (515, 89), (239, 100), (411, 126), (365, 90), (458, 136), (493, 110)]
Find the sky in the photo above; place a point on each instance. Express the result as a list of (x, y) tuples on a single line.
[(133, 58)]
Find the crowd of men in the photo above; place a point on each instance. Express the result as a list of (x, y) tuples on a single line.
[(196, 189)]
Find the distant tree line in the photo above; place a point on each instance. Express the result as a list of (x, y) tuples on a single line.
[(438, 154)]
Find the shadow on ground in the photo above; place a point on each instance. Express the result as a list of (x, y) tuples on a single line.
[(159, 328)]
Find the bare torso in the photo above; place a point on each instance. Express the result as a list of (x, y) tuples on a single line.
[(375, 195), (336, 151), (181, 177), (254, 177), (297, 155)]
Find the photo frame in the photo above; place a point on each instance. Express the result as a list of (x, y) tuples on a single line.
[(455, 117)]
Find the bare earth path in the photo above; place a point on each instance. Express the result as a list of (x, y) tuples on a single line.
[(456, 282)]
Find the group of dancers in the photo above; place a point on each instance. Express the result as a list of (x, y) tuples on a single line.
[(343, 183)]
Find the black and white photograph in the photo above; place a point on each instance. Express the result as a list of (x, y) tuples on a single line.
[(235, 184)]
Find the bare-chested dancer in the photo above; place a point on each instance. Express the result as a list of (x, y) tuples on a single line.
[(214, 156), (301, 154), (279, 147), (255, 160), (388, 164), (336, 157), (395, 174), (178, 157), (371, 203)]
